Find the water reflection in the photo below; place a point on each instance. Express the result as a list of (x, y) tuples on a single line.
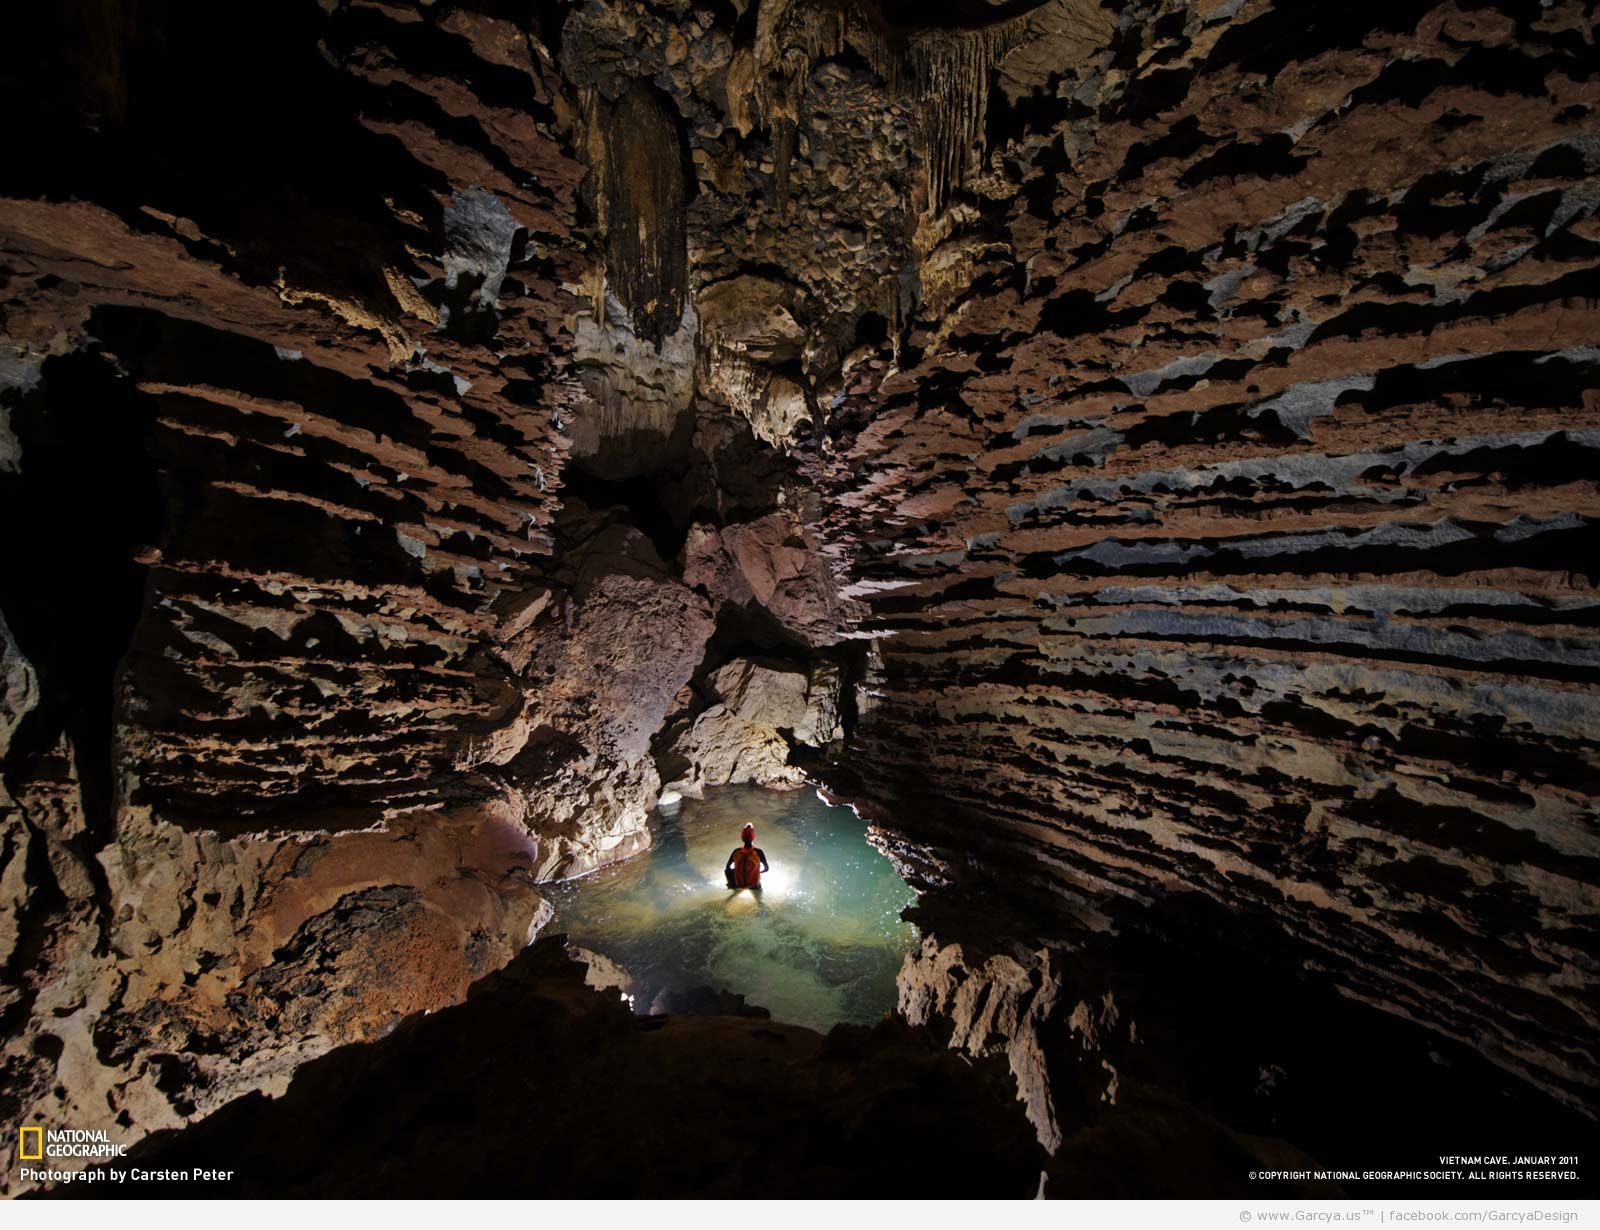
[(820, 943)]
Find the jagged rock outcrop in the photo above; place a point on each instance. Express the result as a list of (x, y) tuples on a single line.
[(1190, 1000), (1000, 1007)]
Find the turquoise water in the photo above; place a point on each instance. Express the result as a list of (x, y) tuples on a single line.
[(821, 944)]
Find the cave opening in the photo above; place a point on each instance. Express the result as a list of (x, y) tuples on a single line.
[(637, 499)]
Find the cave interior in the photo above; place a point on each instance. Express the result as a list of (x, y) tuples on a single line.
[(1143, 455)]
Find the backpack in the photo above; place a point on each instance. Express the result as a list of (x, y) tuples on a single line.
[(746, 867)]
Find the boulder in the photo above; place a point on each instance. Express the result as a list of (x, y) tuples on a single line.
[(803, 703), (748, 735), (723, 749), (770, 562)]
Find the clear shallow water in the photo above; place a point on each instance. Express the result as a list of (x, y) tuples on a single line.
[(820, 945)]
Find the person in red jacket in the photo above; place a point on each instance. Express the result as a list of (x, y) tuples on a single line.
[(747, 862)]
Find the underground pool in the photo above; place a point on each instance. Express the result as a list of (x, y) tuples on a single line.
[(821, 943)]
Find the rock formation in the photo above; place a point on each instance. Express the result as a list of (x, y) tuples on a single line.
[(1225, 531), (524, 1050), (757, 714), (1143, 454)]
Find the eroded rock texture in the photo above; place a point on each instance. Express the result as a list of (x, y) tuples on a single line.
[(528, 1042), (1143, 452), (1192, 1000), (284, 394), (315, 661), (1228, 526)]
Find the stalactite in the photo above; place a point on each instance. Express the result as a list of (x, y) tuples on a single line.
[(790, 39), (945, 72), (640, 200), (955, 72), (892, 307)]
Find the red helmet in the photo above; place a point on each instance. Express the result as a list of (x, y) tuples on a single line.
[(748, 833)]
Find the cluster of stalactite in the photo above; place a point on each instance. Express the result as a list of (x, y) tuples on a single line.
[(946, 73)]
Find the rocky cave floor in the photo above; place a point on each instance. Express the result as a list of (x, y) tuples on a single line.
[(540, 1085), (1145, 454)]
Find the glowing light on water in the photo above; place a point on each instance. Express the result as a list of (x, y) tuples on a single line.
[(775, 882), (820, 943)]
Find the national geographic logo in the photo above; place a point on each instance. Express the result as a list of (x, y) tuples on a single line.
[(38, 1144), (77, 1155)]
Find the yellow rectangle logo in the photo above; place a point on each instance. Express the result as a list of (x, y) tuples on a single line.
[(38, 1145)]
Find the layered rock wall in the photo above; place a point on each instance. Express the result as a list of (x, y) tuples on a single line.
[(376, 526), (287, 381), (1229, 525)]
